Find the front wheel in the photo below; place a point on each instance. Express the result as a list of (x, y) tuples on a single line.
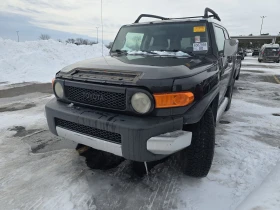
[(196, 160), (277, 61)]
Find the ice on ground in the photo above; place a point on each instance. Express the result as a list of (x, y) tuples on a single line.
[(267, 195), (38, 61), (53, 180), (241, 162), (261, 70)]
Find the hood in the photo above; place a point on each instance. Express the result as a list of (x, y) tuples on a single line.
[(149, 67)]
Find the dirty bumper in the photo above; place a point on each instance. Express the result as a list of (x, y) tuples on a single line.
[(134, 138)]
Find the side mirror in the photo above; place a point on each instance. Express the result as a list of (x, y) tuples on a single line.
[(230, 47)]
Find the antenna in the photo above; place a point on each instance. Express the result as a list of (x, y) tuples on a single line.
[(102, 23)]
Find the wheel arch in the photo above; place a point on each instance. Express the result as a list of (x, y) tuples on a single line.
[(195, 113)]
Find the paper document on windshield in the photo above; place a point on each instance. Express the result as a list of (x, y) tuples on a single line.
[(201, 46)]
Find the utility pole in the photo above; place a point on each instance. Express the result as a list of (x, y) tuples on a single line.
[(262, 17), (17, 36), (102, 23), (97, 33)]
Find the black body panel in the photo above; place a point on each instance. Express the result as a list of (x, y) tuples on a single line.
[(92, 83)]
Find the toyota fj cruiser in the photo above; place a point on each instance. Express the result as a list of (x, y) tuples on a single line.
[(160, 91)]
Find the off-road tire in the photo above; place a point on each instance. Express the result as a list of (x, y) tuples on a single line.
[(278, 61), (259, 60), (196, 160), (237, 77), (239, 70)]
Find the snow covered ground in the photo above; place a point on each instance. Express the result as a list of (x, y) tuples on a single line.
[(244, 174), (250, 60), (266, 196), (38, 61)]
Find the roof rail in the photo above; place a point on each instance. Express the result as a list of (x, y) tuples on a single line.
[(152, 16), (214, 14), (206, 15)]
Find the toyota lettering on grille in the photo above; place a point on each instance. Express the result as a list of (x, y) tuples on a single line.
[(92, 96)]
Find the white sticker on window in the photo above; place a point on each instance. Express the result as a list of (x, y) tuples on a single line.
[(202, 46), (197, 38)]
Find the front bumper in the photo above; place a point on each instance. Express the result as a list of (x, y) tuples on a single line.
[(142, 138)]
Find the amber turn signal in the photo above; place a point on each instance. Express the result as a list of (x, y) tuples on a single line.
[(168, 100)]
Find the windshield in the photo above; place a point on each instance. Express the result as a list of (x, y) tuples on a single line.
[(272, 50), (188, 37)]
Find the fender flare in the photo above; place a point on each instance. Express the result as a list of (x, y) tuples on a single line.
[(195, 113)]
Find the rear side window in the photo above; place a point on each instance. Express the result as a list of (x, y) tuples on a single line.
[(220, 38), (272, 49)]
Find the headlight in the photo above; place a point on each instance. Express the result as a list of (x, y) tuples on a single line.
[(58, 89), (141, 103)]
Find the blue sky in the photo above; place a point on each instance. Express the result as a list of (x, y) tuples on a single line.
[(10, 23), (62, 19)]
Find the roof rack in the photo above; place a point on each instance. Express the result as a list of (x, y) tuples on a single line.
[(152, 16), (206, 15), (214, 14)]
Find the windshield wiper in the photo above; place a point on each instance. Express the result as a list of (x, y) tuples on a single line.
[(119, 51), (189, 53)]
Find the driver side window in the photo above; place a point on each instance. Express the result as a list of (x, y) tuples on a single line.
[(220, 38)]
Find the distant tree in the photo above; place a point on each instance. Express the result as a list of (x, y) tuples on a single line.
[(59, 40), (70, 41), (92, 42), (85, 42), (44, 37), (79, 41), (250, 34)]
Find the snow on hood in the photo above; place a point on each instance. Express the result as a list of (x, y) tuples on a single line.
[(160, 53)]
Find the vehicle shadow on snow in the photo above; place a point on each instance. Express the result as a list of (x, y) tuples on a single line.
[(130, 188), (100, 160)]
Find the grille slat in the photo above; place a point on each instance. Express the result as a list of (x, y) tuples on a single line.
[(104, 99), (89, 131)]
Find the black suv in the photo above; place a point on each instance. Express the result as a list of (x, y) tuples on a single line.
[(161, 91)]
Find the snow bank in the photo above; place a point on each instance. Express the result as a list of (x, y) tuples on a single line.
[(38, 61)]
